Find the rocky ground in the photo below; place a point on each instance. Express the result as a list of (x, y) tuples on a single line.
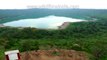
[(54, 55)]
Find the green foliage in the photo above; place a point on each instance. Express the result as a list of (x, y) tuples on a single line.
[(90, 37), (1, 54), (27, 45), (99, 49), (76, 47)]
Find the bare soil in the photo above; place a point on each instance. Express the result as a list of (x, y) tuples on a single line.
[(54, 55)]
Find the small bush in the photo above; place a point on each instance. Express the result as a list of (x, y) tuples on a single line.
[(77, 47)]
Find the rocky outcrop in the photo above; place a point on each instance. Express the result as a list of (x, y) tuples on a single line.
[(64, 25)]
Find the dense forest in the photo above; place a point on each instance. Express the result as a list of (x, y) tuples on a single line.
[(90, 37)]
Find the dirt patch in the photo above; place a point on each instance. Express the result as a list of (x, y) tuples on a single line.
[(54, 55)]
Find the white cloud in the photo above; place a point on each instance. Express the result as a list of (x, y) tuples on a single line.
[(22, 4)]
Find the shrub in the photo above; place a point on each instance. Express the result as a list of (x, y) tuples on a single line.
[(28, 45)]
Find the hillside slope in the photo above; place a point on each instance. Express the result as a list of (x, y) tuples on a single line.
[(54, 55)]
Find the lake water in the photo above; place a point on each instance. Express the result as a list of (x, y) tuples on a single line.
[(48, 22)]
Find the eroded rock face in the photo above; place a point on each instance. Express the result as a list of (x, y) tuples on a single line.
[(54, 55)]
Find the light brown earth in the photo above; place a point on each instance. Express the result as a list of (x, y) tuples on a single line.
[(54, 55), (64, 25)]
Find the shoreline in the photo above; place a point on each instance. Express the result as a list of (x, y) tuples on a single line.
[(1, 25), (64, 25)]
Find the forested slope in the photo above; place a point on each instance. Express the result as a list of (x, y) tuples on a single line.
[(90, 37)]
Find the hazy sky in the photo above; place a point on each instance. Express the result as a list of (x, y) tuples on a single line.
[(23, 4)]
